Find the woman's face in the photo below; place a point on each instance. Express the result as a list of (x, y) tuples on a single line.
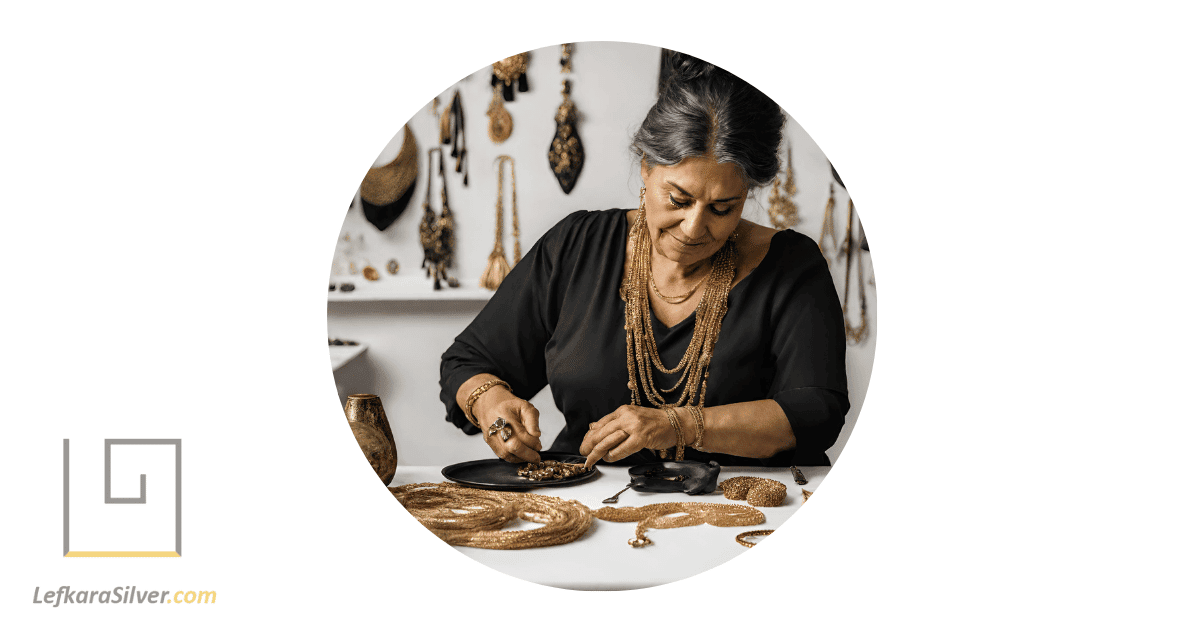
[(693, 207)]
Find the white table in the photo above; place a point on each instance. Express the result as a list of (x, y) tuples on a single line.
[(602, 559)]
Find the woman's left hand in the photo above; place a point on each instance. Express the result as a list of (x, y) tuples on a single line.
[(626, 431)]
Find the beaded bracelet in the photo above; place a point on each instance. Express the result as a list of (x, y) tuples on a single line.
[(477, 393), (698, 417)]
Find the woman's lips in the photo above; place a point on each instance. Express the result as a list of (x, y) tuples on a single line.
[(685, 242)]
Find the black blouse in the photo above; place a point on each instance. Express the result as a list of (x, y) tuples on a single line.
[(558, 319)]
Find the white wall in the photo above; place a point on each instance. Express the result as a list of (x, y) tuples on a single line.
[(613, 85)]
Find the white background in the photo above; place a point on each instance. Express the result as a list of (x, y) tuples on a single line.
[(172, 177)]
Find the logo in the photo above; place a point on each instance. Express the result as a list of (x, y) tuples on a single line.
[(115, 526)]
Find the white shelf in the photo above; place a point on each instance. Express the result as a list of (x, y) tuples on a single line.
[(404, 288), (341, 355)]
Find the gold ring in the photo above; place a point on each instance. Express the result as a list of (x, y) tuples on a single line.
[(741, 538), (500, 422), (506, 433)]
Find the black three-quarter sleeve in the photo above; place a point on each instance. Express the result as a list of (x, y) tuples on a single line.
[(508, 338), (809, 351)]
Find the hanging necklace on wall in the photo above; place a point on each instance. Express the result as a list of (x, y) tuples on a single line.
[(852, 250), (497, 265), (564, 59), (827, 228), (511, 70), (783, 210), (566, 149), (437, 232), (500, 124), (452, 130)]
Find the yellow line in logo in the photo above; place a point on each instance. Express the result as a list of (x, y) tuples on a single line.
[(74, 554)]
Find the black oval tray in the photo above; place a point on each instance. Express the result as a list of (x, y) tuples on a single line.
[(497, 474)]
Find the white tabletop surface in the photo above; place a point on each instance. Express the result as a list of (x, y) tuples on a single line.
[(602, 559)]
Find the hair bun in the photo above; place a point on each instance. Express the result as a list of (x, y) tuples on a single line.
[(685, 67)]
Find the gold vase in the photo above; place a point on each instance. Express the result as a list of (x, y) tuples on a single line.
[(367, 410)]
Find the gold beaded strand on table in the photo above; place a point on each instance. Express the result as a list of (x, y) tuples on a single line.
[(473, 517)]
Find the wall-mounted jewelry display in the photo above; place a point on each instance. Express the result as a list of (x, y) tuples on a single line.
[(386, 191), (497, 264), (452, 131), (782, 209), (437, 231), (511, 70), (566, 149), (500, 123)]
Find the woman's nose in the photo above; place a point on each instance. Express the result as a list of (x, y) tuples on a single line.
[(693, 225)]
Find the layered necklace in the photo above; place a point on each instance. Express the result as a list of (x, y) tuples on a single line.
[(641, 350)]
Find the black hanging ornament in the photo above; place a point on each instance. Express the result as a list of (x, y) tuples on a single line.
[(511, 70), (452, 131), (386, 191), (566, 149)]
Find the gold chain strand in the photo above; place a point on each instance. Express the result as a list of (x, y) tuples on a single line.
[(676, 300), (679, 515), (741, 538), (497, 264), (473, 517)]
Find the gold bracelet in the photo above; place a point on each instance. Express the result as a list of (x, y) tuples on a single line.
[(477, 393), (698, 417), (674, 419)]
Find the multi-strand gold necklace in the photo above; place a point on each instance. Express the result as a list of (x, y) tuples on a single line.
[(641, 350)]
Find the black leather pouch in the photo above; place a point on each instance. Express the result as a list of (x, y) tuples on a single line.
[(693, 478)]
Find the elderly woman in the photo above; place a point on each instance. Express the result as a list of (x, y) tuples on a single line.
[(677, 329)]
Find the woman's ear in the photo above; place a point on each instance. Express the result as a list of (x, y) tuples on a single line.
[(645, 173)]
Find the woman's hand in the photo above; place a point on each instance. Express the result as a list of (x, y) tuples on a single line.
[(626, 431), (521, 421)]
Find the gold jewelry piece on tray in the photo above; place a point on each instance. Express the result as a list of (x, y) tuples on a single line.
[(641, 350), (756, 491), (497, 264), (679, 515), (741, 538), (550, 470), (500, 123), (473, 517), (476, 394), (782, 209)]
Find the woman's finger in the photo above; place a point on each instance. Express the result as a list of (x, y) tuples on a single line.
[(516, 447), (603, 447), (596, 432), (625, 448), (529, 418)]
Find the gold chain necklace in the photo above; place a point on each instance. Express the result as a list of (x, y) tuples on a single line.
[(676, 300), (641, 350), (497, 264), (679, 515), (852, 249)]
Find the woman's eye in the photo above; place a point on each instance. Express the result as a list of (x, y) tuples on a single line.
[(675, 203), (720, 212)]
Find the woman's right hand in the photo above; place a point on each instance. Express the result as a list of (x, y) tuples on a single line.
[(520, 415)]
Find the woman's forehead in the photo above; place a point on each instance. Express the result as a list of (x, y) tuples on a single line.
[(703, 178)]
